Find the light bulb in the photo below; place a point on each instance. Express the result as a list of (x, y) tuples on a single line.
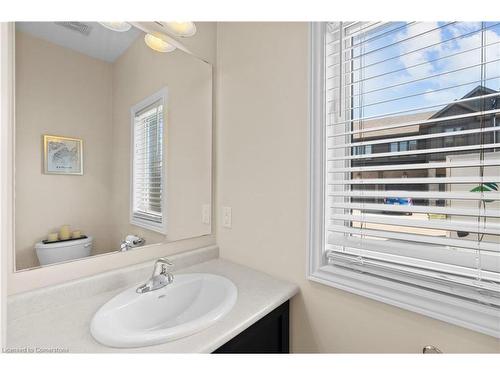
[(156, 43), (121, 27), (184, 29)]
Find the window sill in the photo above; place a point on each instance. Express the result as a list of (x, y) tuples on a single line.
[(453, 310), (160, 228)]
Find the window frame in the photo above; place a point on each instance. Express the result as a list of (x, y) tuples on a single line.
[(161, 95), (447, 308)]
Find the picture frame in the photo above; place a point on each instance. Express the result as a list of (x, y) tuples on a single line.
[(62, 155)]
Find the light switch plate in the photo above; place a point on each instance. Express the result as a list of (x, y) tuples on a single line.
[(226, 217), (205, 214)]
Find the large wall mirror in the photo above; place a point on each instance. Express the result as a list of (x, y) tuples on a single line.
[(113, 142)]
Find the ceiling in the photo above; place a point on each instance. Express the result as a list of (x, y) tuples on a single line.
[(93, 39)]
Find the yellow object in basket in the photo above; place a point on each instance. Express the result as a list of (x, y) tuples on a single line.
[(64, 232)]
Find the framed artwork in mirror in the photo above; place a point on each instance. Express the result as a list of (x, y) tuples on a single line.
[(62, 155)]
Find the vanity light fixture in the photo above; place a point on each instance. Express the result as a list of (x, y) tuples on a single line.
[(156, 43), (183, 29), (121, 27)]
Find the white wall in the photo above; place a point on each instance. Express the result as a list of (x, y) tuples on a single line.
[(262, 154)]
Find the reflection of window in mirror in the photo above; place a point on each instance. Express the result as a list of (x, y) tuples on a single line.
[(148, 206)]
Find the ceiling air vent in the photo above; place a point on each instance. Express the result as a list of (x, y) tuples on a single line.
[(79, 27)]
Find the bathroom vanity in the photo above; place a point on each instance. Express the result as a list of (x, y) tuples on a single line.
[(60, 316), (271, 334)]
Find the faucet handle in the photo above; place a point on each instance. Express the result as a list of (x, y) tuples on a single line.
[(167, 261), (431, 349), (164, 263)]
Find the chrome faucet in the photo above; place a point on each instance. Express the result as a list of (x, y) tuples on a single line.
[(124, 246), (161, 276), (128, 244)]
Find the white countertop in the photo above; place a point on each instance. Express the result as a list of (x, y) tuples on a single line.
[(65, 325)]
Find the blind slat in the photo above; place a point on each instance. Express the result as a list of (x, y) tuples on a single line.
[(418, 137), (416, 194), (475, 212), (419, 152), (448, 225), (411, 123), (406, 166), (446, 241), (416, 180)]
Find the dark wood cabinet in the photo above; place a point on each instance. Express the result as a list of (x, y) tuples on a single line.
[(268, 335)]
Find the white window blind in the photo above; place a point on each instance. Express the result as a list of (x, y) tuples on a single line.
[(147, 164), (412, 154)]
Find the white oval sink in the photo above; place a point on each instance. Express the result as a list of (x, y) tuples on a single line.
[(190, 304)]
